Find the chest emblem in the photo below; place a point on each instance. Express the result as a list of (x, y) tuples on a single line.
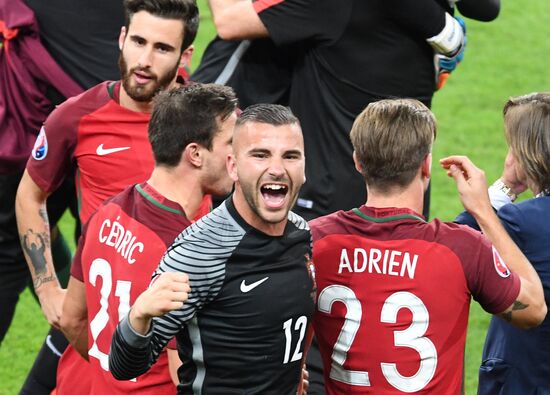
[(106, 151), (249, 287)]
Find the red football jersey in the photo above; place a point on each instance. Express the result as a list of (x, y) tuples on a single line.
[(106, 142), (393, 299), (120, 248)]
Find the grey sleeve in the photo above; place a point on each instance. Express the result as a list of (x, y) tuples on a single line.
[(201, 252)]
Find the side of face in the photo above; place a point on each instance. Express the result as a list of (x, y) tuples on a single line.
[(268, 167), (150, 54), (216, 179)]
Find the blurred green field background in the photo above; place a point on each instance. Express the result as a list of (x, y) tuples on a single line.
[(507, 57)]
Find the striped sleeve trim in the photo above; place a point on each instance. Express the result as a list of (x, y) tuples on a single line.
[(201, 251), (298, 221)]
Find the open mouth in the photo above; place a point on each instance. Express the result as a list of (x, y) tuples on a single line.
[(274, 195), (142, 78)]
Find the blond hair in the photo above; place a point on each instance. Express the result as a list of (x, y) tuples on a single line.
[(390, 139)]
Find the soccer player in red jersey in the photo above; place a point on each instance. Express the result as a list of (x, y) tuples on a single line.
[(394, 290), (103, 132), (190, 130)]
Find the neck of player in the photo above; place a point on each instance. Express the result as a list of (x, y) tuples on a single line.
[(133, 105), (174, 185), (411, 196)]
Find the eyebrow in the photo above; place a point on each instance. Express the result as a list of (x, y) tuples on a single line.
[(136, 37), (294, 152), (267, 151), (259, 151)]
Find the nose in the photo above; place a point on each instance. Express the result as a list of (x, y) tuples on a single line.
[(276, 167), (145, 58)]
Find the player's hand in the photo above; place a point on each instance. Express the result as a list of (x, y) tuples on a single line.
[(470, 182), (304, 386), (51, 301), (513, 176), (445, 65), (167, 292)]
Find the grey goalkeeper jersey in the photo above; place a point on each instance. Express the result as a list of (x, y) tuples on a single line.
[(243, 328)]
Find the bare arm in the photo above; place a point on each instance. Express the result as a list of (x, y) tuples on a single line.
[(174, 362), (529, 309), (34, 234), (237, 20), (74, 320)]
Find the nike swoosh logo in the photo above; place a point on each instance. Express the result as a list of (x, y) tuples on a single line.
[(249, 287), (106, 151)]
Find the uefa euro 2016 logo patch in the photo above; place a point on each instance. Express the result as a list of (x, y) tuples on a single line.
[(500, 266), (40, 149)]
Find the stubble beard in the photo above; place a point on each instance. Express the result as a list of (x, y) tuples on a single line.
[(141, 93), (251, 197)]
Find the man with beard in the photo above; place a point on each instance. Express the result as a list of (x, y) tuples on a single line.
[(249, 295), (102, 133), (190, 132)]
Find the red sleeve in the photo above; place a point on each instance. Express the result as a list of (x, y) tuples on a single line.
[(490, 281), (52, 155), (172, 344)]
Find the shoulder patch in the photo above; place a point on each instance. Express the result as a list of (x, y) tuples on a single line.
[(40, 149), (500, 266)]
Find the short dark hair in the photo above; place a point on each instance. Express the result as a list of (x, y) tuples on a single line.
[(187, 115), (271, 114), (391, 138), (185, 10)]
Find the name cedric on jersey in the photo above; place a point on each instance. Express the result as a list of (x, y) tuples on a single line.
[(114, 235), (389, 262)]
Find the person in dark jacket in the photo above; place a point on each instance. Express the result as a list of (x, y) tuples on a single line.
[(516, 361)]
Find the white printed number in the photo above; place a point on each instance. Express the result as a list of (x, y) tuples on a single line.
[(299, 325), (412, 337), (101, 268)]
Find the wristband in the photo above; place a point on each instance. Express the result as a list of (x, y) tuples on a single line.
[(450, 40), (500, 185)]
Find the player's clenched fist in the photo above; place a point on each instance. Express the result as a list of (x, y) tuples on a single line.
[(470, 182), (167, 292)]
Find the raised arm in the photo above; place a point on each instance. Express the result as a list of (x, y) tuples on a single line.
[(237, 19), (34, 234), (529, 309), (135, 345), (481, 10)]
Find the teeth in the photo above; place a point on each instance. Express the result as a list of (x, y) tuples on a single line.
[(274, 187)]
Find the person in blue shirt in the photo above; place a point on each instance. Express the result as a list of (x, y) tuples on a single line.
[(515, 361)]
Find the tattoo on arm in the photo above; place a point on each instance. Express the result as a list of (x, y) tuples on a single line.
[(34, 246), (518, 305), (40, 279), (44, 215)]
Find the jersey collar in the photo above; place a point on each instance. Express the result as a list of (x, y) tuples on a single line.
[(386, 214), (113, 88), (149, 193)]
